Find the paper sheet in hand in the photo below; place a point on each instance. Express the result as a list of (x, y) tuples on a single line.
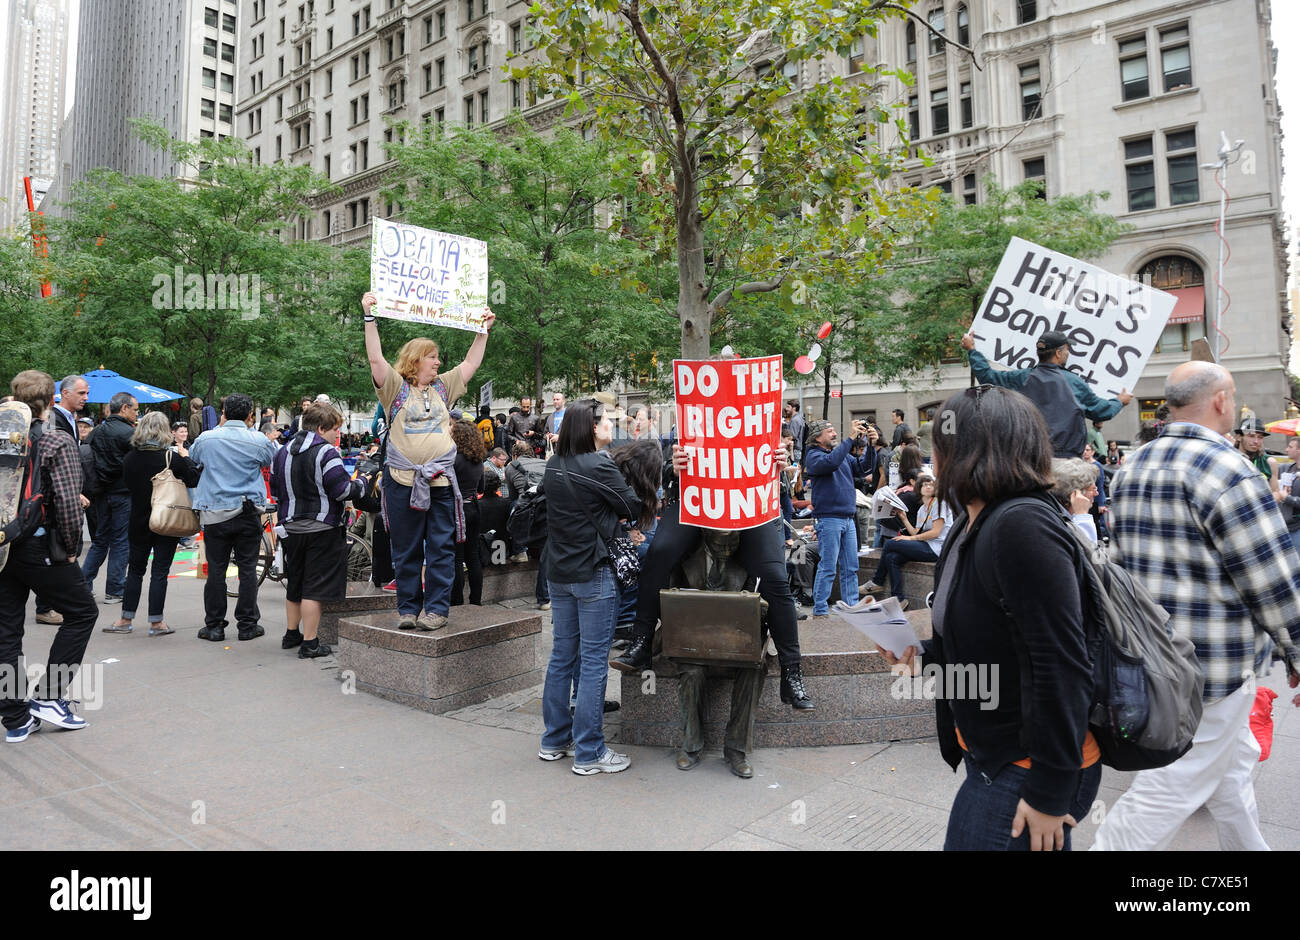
[(883, 622), (884, 501)]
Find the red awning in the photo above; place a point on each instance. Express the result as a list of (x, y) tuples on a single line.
[(1191, 305)]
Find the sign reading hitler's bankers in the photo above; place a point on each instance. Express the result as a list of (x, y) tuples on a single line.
[(428, 277), (1113, 323), (729, 422)]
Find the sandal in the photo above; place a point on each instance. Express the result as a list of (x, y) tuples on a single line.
[(155, 631), (118, 628)]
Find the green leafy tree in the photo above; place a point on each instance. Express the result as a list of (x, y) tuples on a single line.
[(908, 321), (187, 282), (560, 272), (22, 310)]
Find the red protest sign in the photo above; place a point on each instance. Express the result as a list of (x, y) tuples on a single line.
[(729, 421)]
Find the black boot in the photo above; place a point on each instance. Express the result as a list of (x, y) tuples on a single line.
[(637, 657), (792, 690)]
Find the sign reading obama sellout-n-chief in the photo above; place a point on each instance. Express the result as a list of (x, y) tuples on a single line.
[(1113, 323), (729, 423), (428, 277)]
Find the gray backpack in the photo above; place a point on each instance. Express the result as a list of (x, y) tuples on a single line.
[(1147, 681)]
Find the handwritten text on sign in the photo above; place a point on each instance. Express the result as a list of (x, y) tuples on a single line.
[(729, 421), (428, 277), (1113, 323)]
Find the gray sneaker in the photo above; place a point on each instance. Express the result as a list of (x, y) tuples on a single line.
[(431, 621), (555, 753), (611, 762)]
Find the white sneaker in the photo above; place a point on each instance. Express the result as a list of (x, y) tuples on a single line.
[(56, 712), (611, 762), (870, 587)]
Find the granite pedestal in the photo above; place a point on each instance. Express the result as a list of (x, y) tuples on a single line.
[(362, 597), (849, 681), (481, 653)]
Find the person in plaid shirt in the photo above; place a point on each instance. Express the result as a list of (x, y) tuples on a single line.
[(1196, 523), (46, 563)]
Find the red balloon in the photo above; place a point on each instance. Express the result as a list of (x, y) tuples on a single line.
[(825, 330), (803, 365)]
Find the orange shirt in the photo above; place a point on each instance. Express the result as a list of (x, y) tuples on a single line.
[(1091, 752)]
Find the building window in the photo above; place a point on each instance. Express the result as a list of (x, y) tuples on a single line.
[(329, 125), (428, 78), (967, 108), (1036, 171), (516, 38), (210, 47), (329, 82), (279, 107), (483, 107), (473, 57), (516, 95), (469, 111), (440, 116), (911, 41), (441, 16), (227, 22), (326, 218), (1183, 278), (1026, 11), (1180, 153), (279, 147), (208, 108), (963, 25), (226, 113), (1133, 74), (209, 78), (1175, 58), (939, 111), (396, 93), (441, 66), (937, 22), (1140, 172), (210, 17), (1030, 91), (913, 118), (227, 83), (856, 51), (329, 39), (968, 189)]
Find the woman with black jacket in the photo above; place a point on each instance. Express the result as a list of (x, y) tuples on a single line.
[(468, 468), (586, 496), (1008, 614), (150, 451)]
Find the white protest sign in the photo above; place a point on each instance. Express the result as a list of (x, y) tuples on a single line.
[(428, 277), (485, 394), (1113, 323)]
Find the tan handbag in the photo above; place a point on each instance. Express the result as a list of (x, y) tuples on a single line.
[(170, 512)]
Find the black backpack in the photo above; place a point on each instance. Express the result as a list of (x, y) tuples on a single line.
[(31, 513), (527, 523), (1147, 681)]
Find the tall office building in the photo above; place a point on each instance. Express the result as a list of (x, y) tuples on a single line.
[(1128, 98), (36, 64), (170, 60)]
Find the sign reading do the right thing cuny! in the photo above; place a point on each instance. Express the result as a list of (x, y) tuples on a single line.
[(1113, 323), (729, 422)]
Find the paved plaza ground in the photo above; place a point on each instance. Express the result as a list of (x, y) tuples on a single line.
[(243, 746)]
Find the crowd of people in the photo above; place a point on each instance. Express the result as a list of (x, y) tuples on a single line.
[(1199, 514)]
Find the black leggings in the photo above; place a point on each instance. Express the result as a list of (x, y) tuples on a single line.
[(468, 556), (761, 552)]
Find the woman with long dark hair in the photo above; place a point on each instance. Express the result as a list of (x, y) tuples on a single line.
[(1008, 608), (422, 503), (586, 496), (151, 451), (470, 454)]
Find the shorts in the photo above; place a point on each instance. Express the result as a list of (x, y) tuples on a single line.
[(316, 565)]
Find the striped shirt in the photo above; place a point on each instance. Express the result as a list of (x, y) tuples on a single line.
[(309, 481), (1196, 523)]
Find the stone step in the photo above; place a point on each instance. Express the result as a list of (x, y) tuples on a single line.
[(848, 680), (481, 653)]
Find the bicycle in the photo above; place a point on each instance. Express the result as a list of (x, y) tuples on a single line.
[(360, 564)]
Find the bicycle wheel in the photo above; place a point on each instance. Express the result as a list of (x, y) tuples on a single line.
[(265, 558), (360, 559)]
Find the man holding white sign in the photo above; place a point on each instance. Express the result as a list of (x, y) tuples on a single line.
[(1061, 396)]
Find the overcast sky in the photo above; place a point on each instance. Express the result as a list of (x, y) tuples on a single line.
[(1285, 33)]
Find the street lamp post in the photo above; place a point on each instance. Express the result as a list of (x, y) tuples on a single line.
[(1228, 155)]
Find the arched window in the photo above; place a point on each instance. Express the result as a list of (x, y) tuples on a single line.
[(1182, 277), (911, 41), (963, 25), (938, 24)]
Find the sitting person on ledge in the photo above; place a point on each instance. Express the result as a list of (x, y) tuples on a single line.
[(921, 542)]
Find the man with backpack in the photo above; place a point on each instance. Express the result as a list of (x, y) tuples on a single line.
[(1197, 525), (44, 560), (1062, 397)]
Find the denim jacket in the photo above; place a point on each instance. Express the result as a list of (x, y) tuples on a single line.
[(232, 457)]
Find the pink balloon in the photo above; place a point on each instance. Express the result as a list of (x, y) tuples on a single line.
[(803, 365), (825, 330)]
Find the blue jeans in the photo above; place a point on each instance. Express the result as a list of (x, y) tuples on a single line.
[(113, 512), (422, 538), (837, 541), (164, 550), (891, 562), (582, 617), (984, 809), (627, 606), (1295, 539)]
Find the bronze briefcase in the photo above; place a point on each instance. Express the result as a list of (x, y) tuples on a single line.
[(712, 627)]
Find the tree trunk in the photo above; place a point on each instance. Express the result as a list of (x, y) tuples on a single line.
[(826, 393), (692, 306), (538, 373)]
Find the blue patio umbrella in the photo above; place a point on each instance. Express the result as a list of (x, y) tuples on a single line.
[(105, 383)]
